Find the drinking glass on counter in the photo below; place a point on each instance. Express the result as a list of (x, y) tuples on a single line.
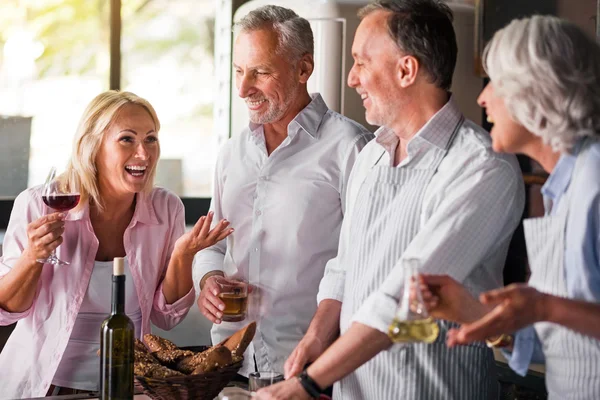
[(234, 393), (257, 380), (412, 322), (234, 293), (59, 197)]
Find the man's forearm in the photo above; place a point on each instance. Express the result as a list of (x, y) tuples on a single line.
[(354, 348), (325, 325), (578, 315)]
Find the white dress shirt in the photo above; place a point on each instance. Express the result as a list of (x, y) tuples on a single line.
[(287, 210), (470, 209)]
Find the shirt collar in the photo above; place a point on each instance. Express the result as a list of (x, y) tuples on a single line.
[(144, 211), (559, 179), (309, 119), (435, 131)]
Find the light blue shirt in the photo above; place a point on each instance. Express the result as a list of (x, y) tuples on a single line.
[(582, 246)]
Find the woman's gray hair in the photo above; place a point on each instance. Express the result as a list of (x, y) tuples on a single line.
[(548, 72), (295, 34)]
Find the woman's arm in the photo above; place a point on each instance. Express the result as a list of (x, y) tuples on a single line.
[(517, 306), (178, 279), (580, 316)]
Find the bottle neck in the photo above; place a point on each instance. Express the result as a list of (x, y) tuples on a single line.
[(118, 294)]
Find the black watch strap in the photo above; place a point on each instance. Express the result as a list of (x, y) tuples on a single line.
[(309, 385)]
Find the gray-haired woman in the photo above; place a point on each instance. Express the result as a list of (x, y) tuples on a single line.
[(544, 101)]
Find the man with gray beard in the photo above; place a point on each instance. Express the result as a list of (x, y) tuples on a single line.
[(281, 184)]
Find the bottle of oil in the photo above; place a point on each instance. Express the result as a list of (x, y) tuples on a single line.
[(116, 343), (412, 322)]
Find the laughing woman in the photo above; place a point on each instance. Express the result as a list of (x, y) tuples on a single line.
[(544, 100), (59, 308)]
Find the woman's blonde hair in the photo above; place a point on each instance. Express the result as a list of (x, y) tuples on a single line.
[(97, 118)]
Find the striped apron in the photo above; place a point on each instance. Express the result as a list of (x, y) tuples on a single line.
[(572, 359), (385, 220)]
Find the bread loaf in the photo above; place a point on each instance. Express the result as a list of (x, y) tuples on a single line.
[(172, 356), (219, 357), (239, 341), (139, 345), (156, 343), (154, 370)]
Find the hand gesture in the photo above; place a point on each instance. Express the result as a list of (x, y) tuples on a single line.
[(447, 299), (516, 306), (307, 351), (44, 235), (201, 236)]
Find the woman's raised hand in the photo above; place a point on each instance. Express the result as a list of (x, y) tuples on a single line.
[(201, 236)]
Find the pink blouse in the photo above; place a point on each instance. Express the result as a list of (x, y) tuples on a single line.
[(34, 350)]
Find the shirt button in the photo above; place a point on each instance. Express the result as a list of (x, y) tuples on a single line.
[(264, 178), (258, 213), (256, 249)]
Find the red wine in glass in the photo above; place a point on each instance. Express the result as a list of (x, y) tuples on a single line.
[(62, 202), (60, 197)]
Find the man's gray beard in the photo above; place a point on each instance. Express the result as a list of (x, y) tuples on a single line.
[(272, 115)]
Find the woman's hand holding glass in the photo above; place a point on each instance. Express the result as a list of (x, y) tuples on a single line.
[(44, 236), (445, 298)]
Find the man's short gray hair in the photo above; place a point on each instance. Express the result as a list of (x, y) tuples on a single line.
[(548, 72), (295, 34)]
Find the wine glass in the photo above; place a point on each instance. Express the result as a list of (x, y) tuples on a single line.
[(60, 197), (412, 322)]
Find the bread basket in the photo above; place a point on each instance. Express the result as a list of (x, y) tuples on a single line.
[(204, 386)]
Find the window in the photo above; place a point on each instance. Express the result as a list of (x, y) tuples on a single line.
[(54, 58), (167, 48)]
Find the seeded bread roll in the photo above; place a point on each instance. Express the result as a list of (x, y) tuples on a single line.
[(172, 356), (154, 370), (188, 365), (140, 346), (218, 358), (156, 343), (143, 357)]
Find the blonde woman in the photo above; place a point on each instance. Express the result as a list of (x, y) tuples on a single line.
[(59, 309)]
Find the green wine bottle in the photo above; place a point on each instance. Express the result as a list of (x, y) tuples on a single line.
[(116, 343)]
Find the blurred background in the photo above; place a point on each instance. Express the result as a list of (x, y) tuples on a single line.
[(55, 57)]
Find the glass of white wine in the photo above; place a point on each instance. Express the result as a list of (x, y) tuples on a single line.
[(412, 323)]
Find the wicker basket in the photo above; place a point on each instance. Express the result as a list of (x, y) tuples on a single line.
[(202, 386)]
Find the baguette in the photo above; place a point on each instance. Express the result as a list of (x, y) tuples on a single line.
[(239, 341)]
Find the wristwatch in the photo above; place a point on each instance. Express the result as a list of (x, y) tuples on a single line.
[(501, 341), (310, 385)]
